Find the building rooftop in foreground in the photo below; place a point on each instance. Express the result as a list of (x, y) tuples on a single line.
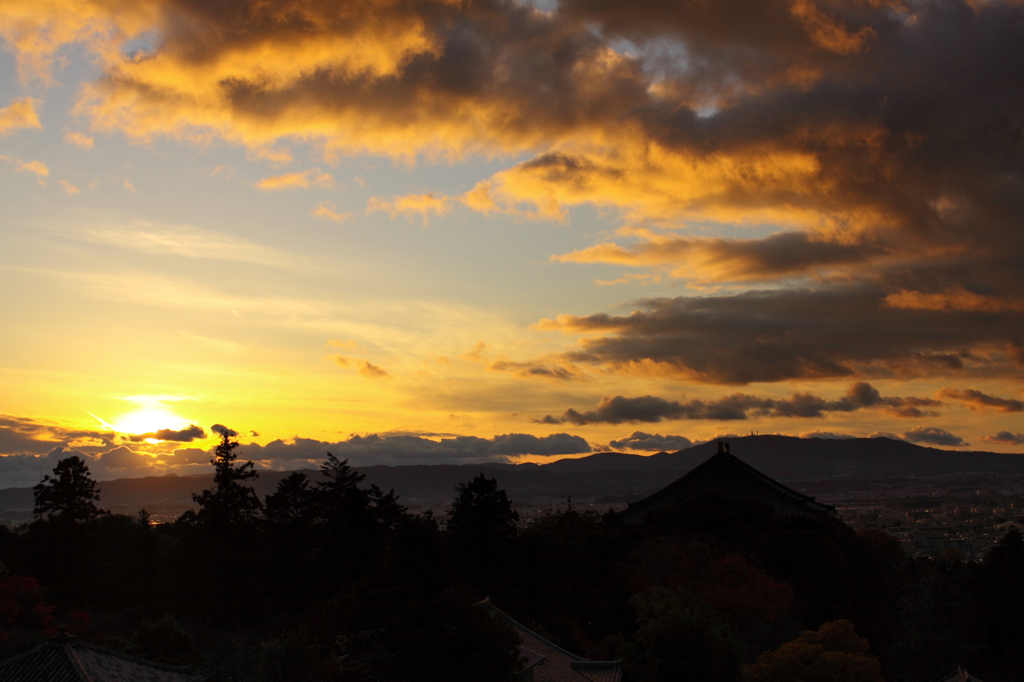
[(724, 475), (65, 659), (548, 662), (960, 675)]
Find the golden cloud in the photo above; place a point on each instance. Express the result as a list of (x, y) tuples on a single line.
[(37, 168), (954, 298), (411, 205), (826, 32), (19, 114), (976, 401), (773, 118), (328, 210), (705, 259), (38, 30), (79, 140), (313, 177), (69, 189), (652, 181)]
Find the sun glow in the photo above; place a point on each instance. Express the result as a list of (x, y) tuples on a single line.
[(148, 420), (150, 416)]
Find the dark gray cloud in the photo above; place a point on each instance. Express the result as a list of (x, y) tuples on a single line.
[(110, 462), (535, 369), (23, 435), (121, 458), (933, 436), (981, 402), (186, 435), (827, 435), (651, 409), (222, 430), (705, 258), (777, 335), (638, 440), (1004, 438)]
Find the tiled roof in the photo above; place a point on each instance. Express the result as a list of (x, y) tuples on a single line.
[(727, 475), (557, 664), (960, 675), (64, 659)]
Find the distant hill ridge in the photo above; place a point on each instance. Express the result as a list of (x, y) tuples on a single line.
[(784, 458)]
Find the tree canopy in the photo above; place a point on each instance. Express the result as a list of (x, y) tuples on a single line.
[(231, 503), (68, 496)]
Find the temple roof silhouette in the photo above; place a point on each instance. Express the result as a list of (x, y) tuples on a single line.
[(726, 476), (65, 659)]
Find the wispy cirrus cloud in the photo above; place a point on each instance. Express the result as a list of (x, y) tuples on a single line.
[(177, 240)]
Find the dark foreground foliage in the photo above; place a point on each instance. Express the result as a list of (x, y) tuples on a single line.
[(328, 579)]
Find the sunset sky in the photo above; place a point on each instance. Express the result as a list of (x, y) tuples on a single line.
[(415, 231)]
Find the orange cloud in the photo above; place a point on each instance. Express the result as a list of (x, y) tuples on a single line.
[(328, 210), (79, 140), (537, 369), (69, 189), (976, 401), (19, 114), (769, 120), (825, 32), (735, 260), (411, 205), (313, 177), (649, 180), (954, 298), (37, 168)]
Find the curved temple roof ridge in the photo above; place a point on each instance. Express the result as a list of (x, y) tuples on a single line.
[(726, 476)]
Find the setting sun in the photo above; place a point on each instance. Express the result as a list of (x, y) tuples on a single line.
[(151, 416)]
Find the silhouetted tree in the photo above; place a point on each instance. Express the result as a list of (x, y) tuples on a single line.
[(1003, 599), (292, 503), (939, 623), (352, 538), (68, 495), (230, 504), (416, 564), (482, 526)]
